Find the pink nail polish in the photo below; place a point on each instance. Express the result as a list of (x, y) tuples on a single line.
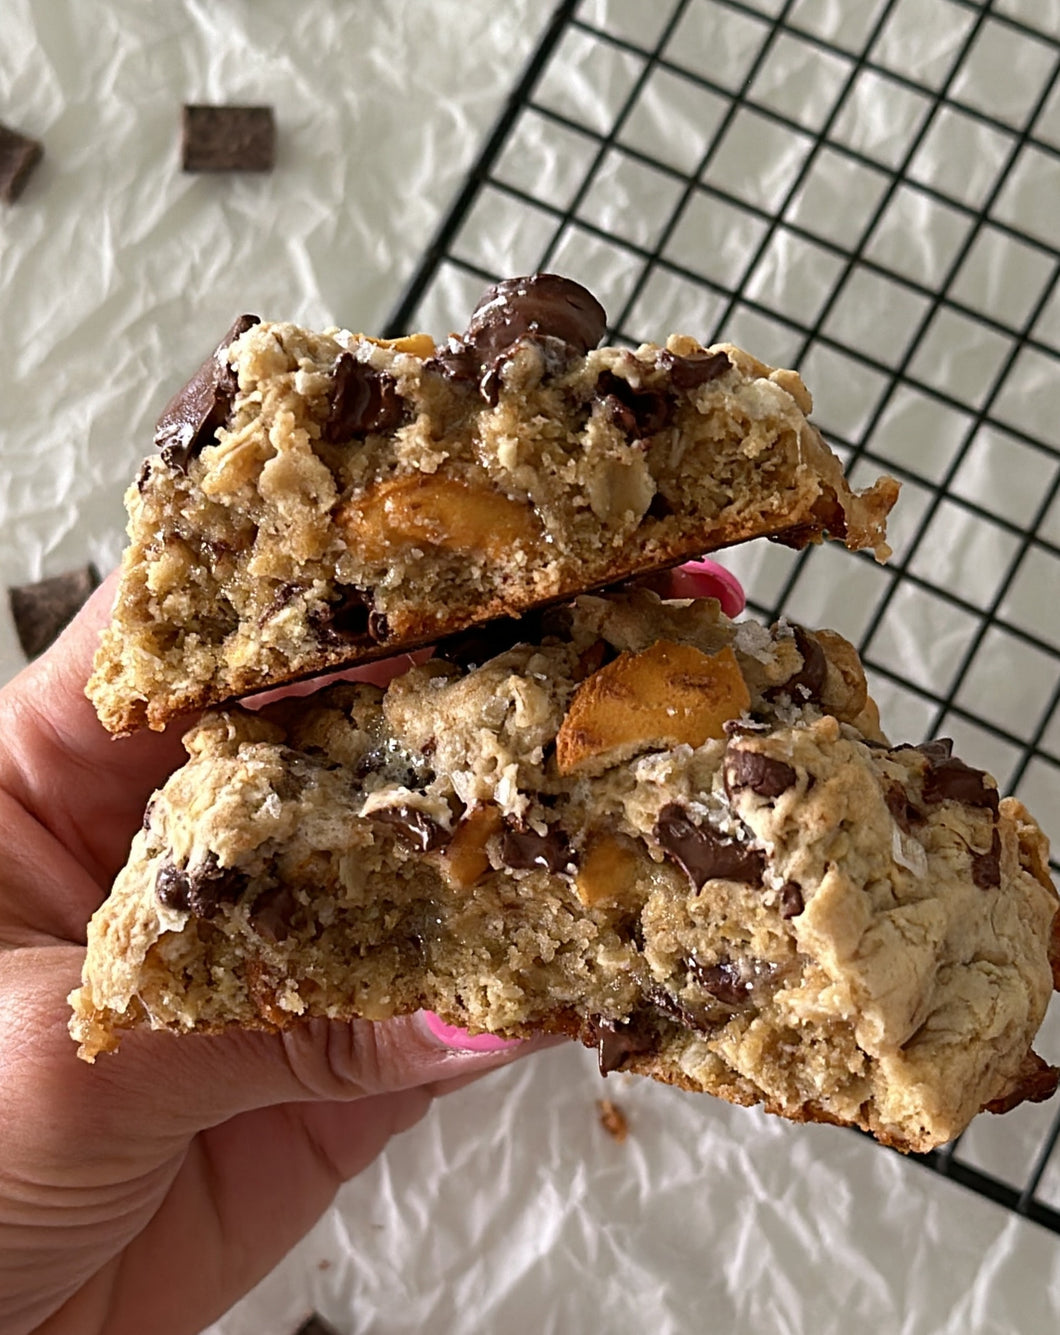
[(707, 579), (455, 1037)]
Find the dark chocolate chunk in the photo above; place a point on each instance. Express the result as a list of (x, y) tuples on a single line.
[(541, 304), (413, 827), (986, 867), (472, 648), (199, 890), (43, 610), (898, 804), (345, 619), (726, 981), (702, 853), (227, 139), (951, 779), (762, 774), (635, 412), (523, 849), (617, 1040), (456, 362), (675, 1009), (808, 682), (272, 913), (362, 400), (936, 751), (791, 900), (19, 156), (691, 372), (315, 1325), (194, 413)]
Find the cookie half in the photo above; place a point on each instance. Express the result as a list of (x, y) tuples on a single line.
[(682, 840), (324, 499)]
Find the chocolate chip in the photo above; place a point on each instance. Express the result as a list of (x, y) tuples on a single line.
[(635, 412), (540, 304), (362, 400), (691, 372), (43, 610), (315, 1325), (523, 849), (227, 139), (808, 682), (951, 779), (617, 1040), (725, 981), (791, 900), (456, 362), (345, 619), (413, 827), (701, 851), (986, 867), (898, 804), (192, 416), (762, 774), (199, 890), (19, 156), (272, 913)]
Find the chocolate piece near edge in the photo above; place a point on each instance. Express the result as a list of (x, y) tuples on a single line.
[(43, 610), (762, 774), (634, 411), (227, 138), (194, 413), (702, 854), (362, 400), (540, 303), (951, 779), (199, 890), (413, 827), (986, 867), (19, 155), (725, 981), (618, 1039), (691, 372), (315, 1325), (790, 900), (523, 850), (346, 620), (808, 681)]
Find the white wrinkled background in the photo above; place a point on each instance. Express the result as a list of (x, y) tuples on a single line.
[(509, 1209)]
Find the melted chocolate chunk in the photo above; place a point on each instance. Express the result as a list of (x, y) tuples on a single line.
[(726, 981), (951, 779), (936, 751), (808, 682), (345, 620), (272, 914), (762, 774), (635, 412), (986, 867), (791, 900), (413, 827), (199, 890), (702, 853), (675, 1009), (192, 416), (617, 1040), (523, 849), (691, 372), (456, 362), (542, 304), (362, 400)]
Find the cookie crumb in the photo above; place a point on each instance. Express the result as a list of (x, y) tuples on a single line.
[(613, 1119)]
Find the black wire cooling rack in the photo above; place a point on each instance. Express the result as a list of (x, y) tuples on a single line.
[(767, 172)]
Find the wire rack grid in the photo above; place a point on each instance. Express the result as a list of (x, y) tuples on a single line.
[(867, 193)]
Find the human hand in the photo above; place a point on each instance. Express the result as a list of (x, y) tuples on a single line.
[(151, 1190)]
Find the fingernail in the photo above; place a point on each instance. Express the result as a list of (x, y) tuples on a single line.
[(707, 579), (455, 1037)]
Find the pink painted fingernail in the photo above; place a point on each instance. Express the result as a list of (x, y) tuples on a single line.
[(455, 1037), (707, 579)]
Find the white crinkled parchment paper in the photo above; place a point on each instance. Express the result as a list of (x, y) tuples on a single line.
[(510, 1209)]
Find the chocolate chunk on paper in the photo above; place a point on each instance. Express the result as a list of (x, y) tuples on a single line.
[(192, 416), (19, 155), (315, 1325), (227, 139), (41, 611)]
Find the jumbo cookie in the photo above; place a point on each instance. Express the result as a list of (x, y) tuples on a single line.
[(683, 840), (321, 499)]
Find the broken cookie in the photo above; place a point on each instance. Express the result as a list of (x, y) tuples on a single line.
[(324, 499), (754, 895)]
